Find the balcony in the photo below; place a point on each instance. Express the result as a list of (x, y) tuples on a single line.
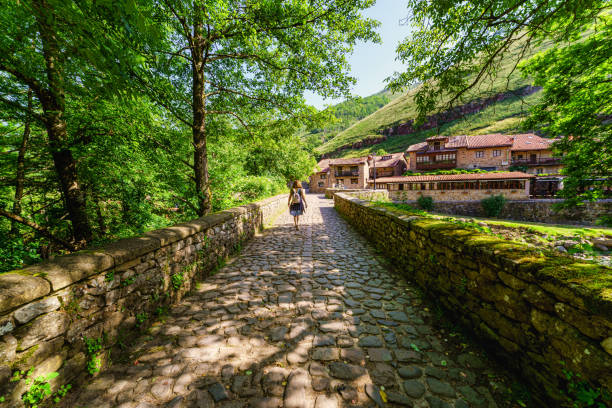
[(544, 161), (346, 173), (441, 165), (388, 173)]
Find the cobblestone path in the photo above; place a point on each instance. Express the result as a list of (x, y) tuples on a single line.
[(299, 319)]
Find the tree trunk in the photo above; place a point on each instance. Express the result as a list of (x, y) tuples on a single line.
[(53, 104), (20, 177), (200, 159)]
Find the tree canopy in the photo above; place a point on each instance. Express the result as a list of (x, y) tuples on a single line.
[(120, 118)]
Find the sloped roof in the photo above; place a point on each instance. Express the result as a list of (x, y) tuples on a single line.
[(352, 160), (494, 140), (417, 147), (526, 141), (529, 141), (511, 175), (323, 165), (390, 162)]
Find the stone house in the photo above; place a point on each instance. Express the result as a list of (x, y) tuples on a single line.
[(513, 185), (319, 180), (355, 173), (487, 152)]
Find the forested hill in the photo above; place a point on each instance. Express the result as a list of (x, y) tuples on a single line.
[(499, 105), (347, 113)]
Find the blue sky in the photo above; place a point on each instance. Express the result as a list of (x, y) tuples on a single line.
[(372, 63)]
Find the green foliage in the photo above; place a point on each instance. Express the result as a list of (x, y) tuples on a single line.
[(93, 346), (38, 389), (61, 393), (581, 394), (141, 318), (425, 203), (14, 253), (110, 276), (455, 48), (177, 280), (128, 281), (577, 98), (605, 220), (493, 205)]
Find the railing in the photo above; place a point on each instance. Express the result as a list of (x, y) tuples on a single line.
[(436, 165), (537, 162), (346, 173)]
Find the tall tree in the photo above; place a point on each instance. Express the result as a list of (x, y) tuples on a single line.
[(20, 174), (32, 53), (233, 58)]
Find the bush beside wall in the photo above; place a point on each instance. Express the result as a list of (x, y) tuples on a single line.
[(540, 314)]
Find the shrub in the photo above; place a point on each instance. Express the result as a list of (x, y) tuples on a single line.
[(493, 205), (425, 203)]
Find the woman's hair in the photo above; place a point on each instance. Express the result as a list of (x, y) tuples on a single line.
[(296, 184)]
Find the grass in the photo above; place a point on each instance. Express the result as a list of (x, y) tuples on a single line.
[(551, 229), (503, 116), (559, 230)]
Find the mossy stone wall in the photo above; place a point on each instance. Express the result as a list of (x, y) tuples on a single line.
[(46, 310), (540, 314)]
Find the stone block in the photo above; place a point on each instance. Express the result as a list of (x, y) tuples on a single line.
[(35, 309), (17, 289), (65, 270), (130, 248), (42, 328)]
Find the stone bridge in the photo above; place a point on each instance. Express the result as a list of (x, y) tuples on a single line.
[(308, 318)]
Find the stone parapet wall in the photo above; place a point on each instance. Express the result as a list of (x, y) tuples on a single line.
[(540, 210), (540, 314), (329, 192), (47, 309)]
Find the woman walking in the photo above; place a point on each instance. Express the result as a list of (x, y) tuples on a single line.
[(297, 203)]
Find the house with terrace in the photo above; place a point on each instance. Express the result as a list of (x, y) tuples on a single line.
[(528, 151), (355, 173), (514, 185)]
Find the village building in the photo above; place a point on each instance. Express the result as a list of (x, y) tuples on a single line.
[(513, 185), (355, 173), (486, 152)]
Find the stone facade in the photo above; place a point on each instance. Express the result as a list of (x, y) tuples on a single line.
[(539, 314), (458, 195), (541, 210), (46, 310), (318, 182)]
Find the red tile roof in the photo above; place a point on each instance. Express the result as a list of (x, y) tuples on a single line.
[(482, 141), (529, 141), (512, 175)]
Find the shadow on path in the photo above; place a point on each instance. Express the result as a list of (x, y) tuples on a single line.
[(299, 319)]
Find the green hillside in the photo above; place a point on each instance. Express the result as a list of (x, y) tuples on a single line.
[(503, 116)]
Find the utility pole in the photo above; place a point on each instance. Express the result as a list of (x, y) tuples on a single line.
[(373, 158)]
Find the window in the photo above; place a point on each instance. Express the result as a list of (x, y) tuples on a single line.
[(422, 159), (323, 176), (387, 157), (539, 171), (496, 153), (479, 154), (445, 157), (354, 181), (436, 145), (401, 187), (354, 169), (321, 184)]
